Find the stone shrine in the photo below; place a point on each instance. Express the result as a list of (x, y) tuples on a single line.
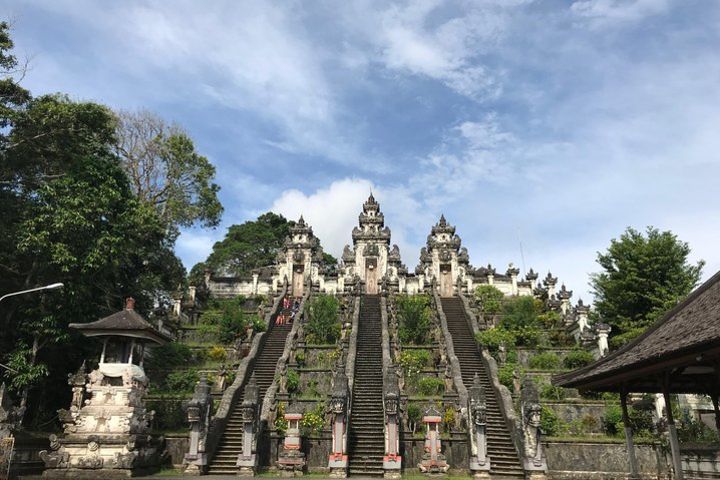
[(106, 426)]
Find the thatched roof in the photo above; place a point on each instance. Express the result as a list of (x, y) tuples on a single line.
[(681, 348)]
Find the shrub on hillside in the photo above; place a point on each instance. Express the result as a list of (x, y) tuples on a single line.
[(322, 325), (413, 361), (182, 381), (414, 319), (506, 374), (431, 386), (519, 313), (578, 359), (492, 338), (169, 356), (545, 361), (489, 298)]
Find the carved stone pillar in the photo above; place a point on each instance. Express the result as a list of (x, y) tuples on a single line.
[(198, 415), (603, 331), (338, 461), (247, 460), (291, 459), (433, 461), (479, 462), (392, 460), (533, 456)]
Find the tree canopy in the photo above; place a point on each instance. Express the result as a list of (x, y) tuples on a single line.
[(68, 214), (165, 171), (642, 277)]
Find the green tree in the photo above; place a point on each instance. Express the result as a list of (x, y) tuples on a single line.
[(414, 319), (642, 277), (166, 172), (322, 325), (490, 299), (251, 245)]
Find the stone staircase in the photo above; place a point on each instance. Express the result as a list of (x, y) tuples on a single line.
[(367, 427), (501, 449), (224, 461)]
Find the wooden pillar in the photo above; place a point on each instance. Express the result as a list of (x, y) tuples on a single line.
[(629, 445), (674, 443), (716, 409)]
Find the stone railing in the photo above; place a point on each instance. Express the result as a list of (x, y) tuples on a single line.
[(219, 422), (352, 348), (392, 462), (269, 404), (505, 402), (474, 325), (450, 352)]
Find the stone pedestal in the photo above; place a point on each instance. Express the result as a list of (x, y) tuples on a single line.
[(198, 415), (291, 459), (534, 462), (477, 407), (338, 459), (247, 460), (433, 461), (106, 435)]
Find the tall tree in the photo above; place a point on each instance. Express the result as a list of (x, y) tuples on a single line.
[(166, 172), (642, 277), (250, 245)]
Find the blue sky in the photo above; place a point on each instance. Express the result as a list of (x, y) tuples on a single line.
[(551, 124)]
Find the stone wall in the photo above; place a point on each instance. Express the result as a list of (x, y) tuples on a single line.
[(571, 411), (576, 460), (176, 446), (455, 450)]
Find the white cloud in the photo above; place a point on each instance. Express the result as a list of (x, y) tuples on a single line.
[(333, 212), (194, 245), (613, 11)]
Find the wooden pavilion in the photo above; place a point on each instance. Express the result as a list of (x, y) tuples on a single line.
[(680, 353)]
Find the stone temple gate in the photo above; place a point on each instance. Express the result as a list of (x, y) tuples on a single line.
[(372, 264)]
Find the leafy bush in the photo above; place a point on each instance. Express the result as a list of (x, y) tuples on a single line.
[(413, 361), (169, 356), (414, 319), (519, 313), (492, 338), (232, 324), (549, 391), (550, 319), (449, 419), (217, 353), (506, 373), (529, 336), (313, 421), (322, 313), (258, 324), (545, 361), (414, 415), (578, 359), (431, 386), (489, 298), (169, 414), (281, 424), (550, 424), (182, 381), (641, 421), (300, 358), (293, 381)]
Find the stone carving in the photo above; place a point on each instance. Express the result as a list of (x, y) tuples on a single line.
[(247, 459), (338, 460), (477, 406), (391, 401), (10, 415), (198, 410), (534, 459)]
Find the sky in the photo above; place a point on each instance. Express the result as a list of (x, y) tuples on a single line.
[(540, 129)]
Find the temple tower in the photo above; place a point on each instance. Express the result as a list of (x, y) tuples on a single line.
[(371, 261), (300, 258), (443, 260)]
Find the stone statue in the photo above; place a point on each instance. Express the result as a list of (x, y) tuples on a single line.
[(338, 460), (198, 410), (477, 406), (391, 398), (534, 459), (247, 460)]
